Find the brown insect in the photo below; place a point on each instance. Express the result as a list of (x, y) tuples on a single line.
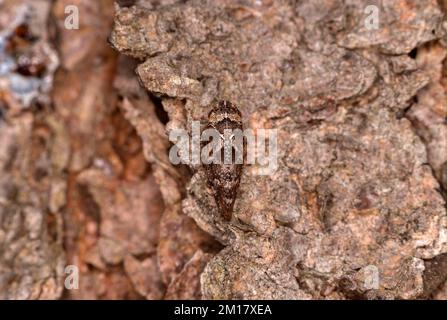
[(222, 178)]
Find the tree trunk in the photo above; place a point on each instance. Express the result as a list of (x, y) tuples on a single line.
[(350, 204)]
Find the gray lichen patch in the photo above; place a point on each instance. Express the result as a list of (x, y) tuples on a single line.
[(27, 59)]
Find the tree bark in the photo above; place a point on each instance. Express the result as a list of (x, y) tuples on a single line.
[(354, 208)]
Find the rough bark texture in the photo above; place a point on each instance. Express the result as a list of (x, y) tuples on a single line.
[(354, 187), (85, 177)]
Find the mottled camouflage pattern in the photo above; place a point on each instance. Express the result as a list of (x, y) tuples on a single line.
[(224, 179)]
